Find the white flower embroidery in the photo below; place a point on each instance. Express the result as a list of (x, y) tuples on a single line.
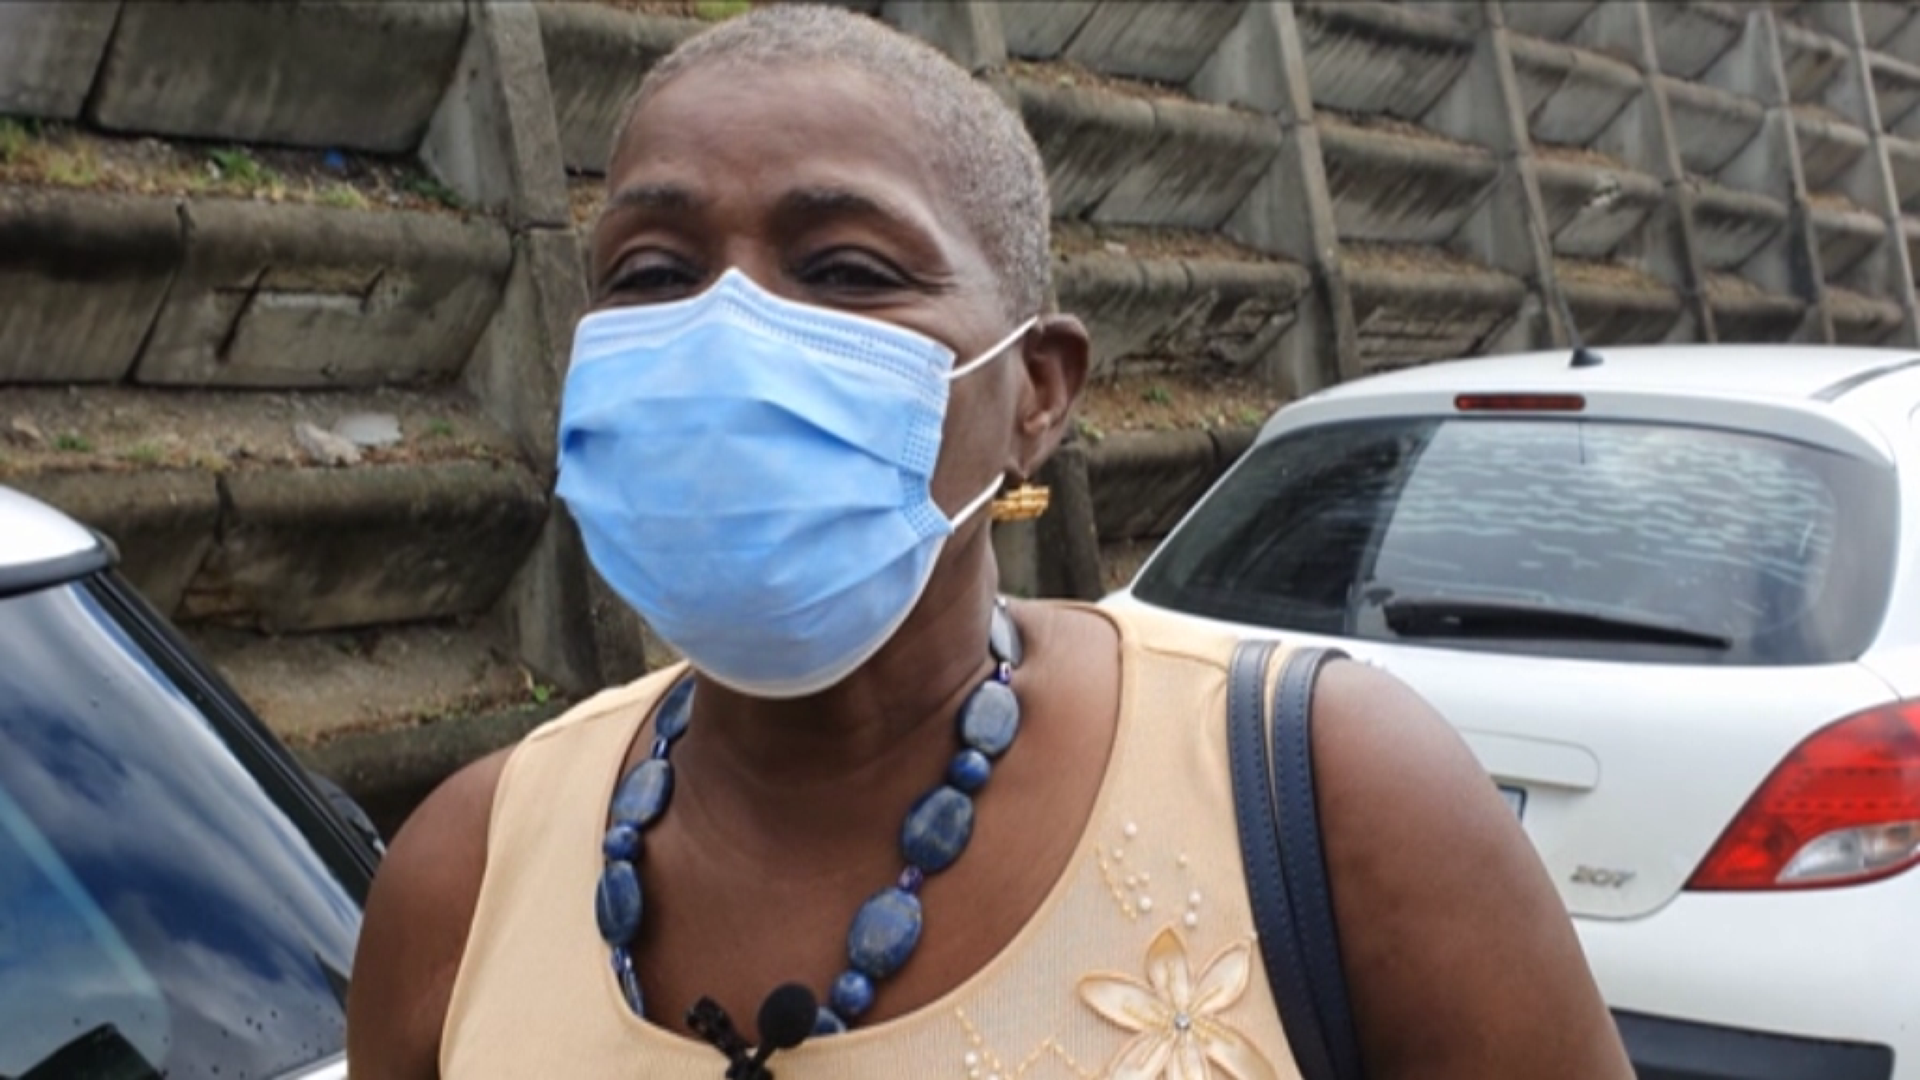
[(1177, 1020)]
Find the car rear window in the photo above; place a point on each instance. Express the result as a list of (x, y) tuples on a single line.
[(1781, 550)]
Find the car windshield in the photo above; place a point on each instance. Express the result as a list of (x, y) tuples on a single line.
[(161, 914), (1570, 537)]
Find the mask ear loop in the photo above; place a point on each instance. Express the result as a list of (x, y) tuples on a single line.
[(973, 507), (993, 353)]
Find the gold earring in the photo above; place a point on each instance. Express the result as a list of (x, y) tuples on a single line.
[(1024, 503)]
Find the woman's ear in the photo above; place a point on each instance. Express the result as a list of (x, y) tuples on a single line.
[(1055, 354)]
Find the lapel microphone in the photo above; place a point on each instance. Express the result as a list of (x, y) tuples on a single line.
[(786, 1019)]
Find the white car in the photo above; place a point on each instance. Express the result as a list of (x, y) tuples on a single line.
[(1672, 602)]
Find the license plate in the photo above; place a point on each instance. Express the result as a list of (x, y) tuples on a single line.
[(1516, 799)]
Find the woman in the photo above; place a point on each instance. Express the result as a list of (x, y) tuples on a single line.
[(818, 345)]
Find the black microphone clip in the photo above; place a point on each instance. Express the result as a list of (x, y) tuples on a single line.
[(786, 1019)]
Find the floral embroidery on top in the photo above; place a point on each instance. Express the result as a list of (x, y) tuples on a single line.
[(1177, 1020)]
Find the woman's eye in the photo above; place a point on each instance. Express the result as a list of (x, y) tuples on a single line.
[(852, 273), (650, 275)]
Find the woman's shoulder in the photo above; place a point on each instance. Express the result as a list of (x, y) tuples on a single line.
[(631, 700), (1150, 633)]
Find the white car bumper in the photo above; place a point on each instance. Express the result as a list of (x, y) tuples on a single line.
[(1756, 986)]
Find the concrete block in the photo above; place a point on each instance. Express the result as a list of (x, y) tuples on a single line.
[(1881, 19), (1751, 315), (1896, 88), (1767, 164), (49, 53), (1862, 320), (1903, 159), (1040, 29), (1124, 302), (1143, 482), (1592, 210), (1397, 188), (1257, 66), (1089, 139), (1555, 20), (389, 771), (317, 549), (314, 688), (1730, 226), (596, 56), (493, 138), (1690, 38), (1620, 312), (1811, 60), (275, 295), (162, 521), (1236, 312), (548, 608), (1369, 57), (520, 361), (323, 73), (1903, 40), (1710, 126), (1845, 235), (968, 31), (1569, 95), (1418, 313), (1067, 536), (1203, 161), (1162, 40), (1828, 147), (1152, 315), (82, 276)]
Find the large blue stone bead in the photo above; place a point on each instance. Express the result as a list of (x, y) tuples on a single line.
[(884, 932), (642, 796), (670, 722), (616, 903), (937, 829), (852, 994), (990, 718)]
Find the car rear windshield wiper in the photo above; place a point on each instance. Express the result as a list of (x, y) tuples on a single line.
[(1455, 617)]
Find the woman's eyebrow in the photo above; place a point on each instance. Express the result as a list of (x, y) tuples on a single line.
[(804, 208), (665, 197), (805, 205)]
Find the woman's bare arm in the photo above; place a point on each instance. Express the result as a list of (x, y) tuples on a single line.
[(415, 929), (1461, 958)]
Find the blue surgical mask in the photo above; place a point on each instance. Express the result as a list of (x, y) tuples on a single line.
[(751, 475)]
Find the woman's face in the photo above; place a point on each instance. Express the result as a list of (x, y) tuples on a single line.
[(816, 185)]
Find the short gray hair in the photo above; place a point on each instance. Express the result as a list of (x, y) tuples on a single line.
[(983, 150)]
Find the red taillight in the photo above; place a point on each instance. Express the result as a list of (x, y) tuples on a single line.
[(1520, 403), (1843, 808)]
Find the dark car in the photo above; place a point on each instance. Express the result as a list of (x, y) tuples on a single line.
[(178, 897)]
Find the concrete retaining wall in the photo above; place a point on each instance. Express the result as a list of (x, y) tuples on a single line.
[(322, 73), (1291, 192)]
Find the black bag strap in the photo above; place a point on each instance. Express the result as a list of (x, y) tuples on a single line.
[(1279, 824)]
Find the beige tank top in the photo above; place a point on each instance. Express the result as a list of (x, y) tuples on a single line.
[(1140, 963)]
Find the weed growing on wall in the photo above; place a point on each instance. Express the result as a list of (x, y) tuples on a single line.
[(239, 168), (426, 187), (14, 137)]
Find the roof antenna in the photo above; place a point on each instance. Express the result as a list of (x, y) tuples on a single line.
[(1583, 357)]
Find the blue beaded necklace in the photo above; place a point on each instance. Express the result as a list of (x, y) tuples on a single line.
[(887, 927)]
